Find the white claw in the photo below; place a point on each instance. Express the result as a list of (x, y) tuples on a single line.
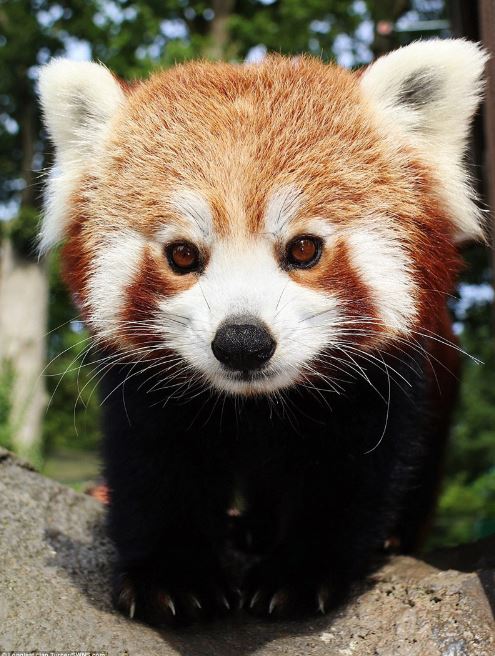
[(225, 602), (277, 600), (322, 599), (255, 598), (132, 610), (171, 605), (196, 602)]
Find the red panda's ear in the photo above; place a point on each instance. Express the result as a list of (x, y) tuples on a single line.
[(427, 93), (78, 100)]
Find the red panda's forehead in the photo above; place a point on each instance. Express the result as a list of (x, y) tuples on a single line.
[(236, 134)]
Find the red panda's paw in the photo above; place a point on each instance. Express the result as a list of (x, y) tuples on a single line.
[(148, 596), (272, 593)]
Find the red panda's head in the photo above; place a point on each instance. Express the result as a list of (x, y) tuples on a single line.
[(246, 220)]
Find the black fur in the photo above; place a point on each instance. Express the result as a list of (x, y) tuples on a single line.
[(323, 491), (419, 89)]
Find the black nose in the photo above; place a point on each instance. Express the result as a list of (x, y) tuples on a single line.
[(243, 344)]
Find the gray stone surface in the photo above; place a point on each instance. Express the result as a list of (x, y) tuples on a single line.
[(54, 570)]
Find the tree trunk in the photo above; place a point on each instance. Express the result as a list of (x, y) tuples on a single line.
[(487, 29), (219, 29), (23, 318)]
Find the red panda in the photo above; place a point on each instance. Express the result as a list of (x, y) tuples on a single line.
[(262, 254)]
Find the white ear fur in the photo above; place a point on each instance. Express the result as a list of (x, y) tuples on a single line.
[(428, 92), (78, 100)]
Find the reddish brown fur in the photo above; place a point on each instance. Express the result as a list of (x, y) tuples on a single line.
[(153, 282), (337, 273), (76, 256)]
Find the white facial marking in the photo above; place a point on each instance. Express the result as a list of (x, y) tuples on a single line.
[(383, 265), (281, 212), (195, 209), (317, 227), (282, 208), (115, 265)]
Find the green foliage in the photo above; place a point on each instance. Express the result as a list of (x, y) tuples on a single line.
[(466, 509), (73, 416), (291, 26), (23, 231), (473, 439)]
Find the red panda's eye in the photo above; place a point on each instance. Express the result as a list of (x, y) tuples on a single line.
[(183, 257), (303, 252)]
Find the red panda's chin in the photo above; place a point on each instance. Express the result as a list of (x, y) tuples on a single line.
[(260, 383)]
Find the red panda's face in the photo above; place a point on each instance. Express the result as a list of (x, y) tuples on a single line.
[(255, 225)]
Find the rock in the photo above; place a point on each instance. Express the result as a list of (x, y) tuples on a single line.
[(54, 595)]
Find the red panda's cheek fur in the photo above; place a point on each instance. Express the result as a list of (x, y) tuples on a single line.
[(436, 279), (431, 244), (335, 275), (152, 281), (76, 257), (152, 284)]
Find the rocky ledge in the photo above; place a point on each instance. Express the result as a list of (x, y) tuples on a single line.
[(54, 594)]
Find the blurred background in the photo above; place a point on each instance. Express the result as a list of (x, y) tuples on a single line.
[(49, 406)]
